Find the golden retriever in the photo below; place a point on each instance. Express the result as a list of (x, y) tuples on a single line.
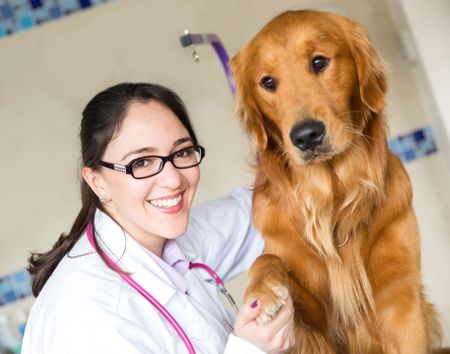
[(332, 202)]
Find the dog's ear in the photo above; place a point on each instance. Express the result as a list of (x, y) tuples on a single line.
[(370, 68), (246, 108)]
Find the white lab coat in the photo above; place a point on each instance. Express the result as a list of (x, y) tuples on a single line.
[(86, 308)]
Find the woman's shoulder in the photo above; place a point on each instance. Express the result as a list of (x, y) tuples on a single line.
[(82, 288), (81, 279)]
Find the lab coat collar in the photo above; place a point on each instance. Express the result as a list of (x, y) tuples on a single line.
[(133, 258)]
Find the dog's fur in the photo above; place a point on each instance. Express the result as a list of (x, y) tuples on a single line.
[(339, 229)]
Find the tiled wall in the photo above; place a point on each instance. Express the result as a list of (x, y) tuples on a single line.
[(415, 145), (19, 15), (15, 286)]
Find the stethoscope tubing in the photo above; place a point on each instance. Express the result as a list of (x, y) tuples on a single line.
[(164, 312), (128, 279), (213, 274)]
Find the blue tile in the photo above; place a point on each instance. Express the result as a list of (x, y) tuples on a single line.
[(430, 145), (26, 22), (9, 297), (69, 6), (15, 286), (24, 290), (428, 132), (407, 142), (17, 15), (419, 135), (20, 276), (21, 283), (431, 149), (35, 4), (410, 155), (425, 146), (55, 12), (5, 286), (42, 14), (85, 3), (396, 146), (17, 3), (6, 11)]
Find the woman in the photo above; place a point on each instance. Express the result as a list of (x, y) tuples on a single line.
[(135, 239)]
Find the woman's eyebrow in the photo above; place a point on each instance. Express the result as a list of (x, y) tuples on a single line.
[(138, 151), (182, 141), (176, 143)]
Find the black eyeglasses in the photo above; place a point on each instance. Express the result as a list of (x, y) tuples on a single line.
[(148, 166)]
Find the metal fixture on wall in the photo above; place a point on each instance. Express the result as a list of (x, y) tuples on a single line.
[(190, 39)]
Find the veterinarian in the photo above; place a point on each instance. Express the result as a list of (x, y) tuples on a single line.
[(138, 272)]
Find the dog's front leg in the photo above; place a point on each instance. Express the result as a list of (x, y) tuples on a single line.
[(395, 269), (268, 283)]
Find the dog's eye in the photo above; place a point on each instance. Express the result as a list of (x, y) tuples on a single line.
[(319, 63), (268, 83)]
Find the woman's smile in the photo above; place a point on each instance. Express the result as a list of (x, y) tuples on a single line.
[(170, 204)]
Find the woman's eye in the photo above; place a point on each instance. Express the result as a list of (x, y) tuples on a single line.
[(143, 163), (268, 83), (184, 153), (319, 63)]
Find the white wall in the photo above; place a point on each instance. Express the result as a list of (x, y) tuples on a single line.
[(423, 46), (50, 72), (429, 25)]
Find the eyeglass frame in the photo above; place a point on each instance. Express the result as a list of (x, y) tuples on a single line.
[(128, 168)]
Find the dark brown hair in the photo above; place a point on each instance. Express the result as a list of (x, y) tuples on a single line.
[(102, 118)]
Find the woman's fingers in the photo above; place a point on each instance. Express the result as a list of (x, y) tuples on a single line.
[(283, 318), (275, 337), (280, 333), (248, 313)]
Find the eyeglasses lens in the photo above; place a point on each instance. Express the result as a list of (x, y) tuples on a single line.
[(151, 165)]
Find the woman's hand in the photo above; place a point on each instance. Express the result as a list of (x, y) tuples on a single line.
[(277, 336)]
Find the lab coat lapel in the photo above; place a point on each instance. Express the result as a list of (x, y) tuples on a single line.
[(199, 313), (133, 258)]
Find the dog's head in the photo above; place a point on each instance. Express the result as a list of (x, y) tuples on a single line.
[(307, 84)]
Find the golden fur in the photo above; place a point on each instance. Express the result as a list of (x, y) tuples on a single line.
[(338, 224)]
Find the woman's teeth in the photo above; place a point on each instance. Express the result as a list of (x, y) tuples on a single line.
[(166, 203)]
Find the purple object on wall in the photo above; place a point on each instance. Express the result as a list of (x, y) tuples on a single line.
[(210, 38)]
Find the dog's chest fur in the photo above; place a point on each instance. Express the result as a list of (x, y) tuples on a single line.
[(336, 211), (332, 209)]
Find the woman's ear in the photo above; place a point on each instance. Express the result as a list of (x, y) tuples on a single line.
[(97, 183)]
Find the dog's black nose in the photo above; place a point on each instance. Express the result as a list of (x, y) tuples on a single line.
[(308, 134)]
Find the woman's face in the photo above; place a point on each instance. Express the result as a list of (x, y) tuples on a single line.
[(138, 204)]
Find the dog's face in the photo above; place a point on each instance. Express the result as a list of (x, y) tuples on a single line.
[(306, 85)]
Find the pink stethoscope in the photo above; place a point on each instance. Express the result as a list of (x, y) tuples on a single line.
[(135, 285)]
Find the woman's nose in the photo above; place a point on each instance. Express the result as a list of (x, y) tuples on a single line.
[(170, 176)]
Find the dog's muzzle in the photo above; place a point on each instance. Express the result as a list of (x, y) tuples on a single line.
[(307, 135)]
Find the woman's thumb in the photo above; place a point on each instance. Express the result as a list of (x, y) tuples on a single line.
[(248, 312)]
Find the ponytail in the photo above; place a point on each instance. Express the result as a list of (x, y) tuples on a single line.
[(42, 265)]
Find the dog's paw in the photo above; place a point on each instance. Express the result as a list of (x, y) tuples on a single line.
[(271, 297)]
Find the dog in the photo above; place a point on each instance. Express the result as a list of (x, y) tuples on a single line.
[(333, 204)]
